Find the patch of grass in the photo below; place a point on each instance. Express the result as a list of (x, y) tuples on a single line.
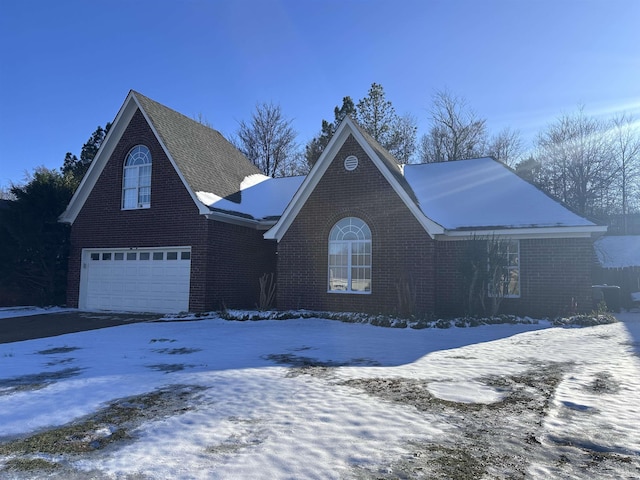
[(481, 432), (169, 367), (177, 351), (311, 366), (603, 383), (54, 351), (35, 381), (108, 425), (60, 361), (455, 463), (31, 465)]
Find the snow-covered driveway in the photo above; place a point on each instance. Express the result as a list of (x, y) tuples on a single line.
[(318, 398)]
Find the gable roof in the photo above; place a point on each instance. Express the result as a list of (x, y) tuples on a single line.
[(205, 158), (453, 199), (382, 159), (485, 194), (618, 251), (201, 156)]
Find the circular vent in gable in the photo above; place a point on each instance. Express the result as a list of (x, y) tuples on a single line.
[(351, 163)]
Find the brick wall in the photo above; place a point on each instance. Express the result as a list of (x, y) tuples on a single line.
[(401, 250), (238, 257), (556, 273), (555, 277), (173, 219)]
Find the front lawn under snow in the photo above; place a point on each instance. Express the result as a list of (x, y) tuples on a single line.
[(316, 398)]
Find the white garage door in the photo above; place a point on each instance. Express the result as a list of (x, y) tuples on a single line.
[(136, 280)]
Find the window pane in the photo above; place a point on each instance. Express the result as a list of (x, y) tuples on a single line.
[(185, 256), (130, 198), (131, 255), (144, 195), (144, 255), (158, 255), (106, 256), (144, 175), (513, 285), (95, 256), (130, 178), (361, 279), (118, 256), (172, 255), (338, 278)]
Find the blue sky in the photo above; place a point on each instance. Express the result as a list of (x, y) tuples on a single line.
[(67, 66)]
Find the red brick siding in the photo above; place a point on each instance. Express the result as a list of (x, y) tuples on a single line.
[(400, 247), (450, 295), (238, 257), (555, 275), (172, 220)]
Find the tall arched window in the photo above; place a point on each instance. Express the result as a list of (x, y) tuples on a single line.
[(136, 186), (350, 257)]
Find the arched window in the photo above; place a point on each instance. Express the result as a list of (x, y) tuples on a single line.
[(350, 257), (136, 186)]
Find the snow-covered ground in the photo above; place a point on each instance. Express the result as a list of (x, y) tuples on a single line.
[(321, 399)]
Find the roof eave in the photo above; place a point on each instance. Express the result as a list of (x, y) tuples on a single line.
[(109, 144), (580, 231)]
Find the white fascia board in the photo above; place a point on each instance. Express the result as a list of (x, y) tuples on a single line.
[(308, 185), (432, 228), (119, 125), (301, 196), (202, 208), (525, 233)]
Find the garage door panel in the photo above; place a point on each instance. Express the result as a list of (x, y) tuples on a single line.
[(153, 280)]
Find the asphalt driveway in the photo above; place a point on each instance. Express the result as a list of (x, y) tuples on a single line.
[(58, 323)]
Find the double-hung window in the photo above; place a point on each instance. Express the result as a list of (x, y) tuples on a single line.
[(350, 257), (136, 188)]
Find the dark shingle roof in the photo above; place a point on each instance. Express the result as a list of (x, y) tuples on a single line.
[(208, 162)]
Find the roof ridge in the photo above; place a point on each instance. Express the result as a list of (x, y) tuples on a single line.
[(204, 157)]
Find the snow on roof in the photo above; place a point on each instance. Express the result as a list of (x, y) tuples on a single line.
[(618, 252), (261, 197), (477, 193)]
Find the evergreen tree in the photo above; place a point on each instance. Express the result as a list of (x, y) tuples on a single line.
[(377, 116), (76, 168), (35, 246), (316, 145)]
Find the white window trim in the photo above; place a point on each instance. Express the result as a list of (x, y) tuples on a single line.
[(509, 268), (131, 168), (349, 265)]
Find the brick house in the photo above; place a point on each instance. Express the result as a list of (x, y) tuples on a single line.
[(171, 217)]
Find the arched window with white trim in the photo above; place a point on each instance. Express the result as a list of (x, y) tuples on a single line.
[(350, 257), (136, 184)]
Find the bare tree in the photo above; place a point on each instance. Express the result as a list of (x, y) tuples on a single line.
[(269, 140), (506, 147), (576, 162), (456, 132), (625, 137)]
